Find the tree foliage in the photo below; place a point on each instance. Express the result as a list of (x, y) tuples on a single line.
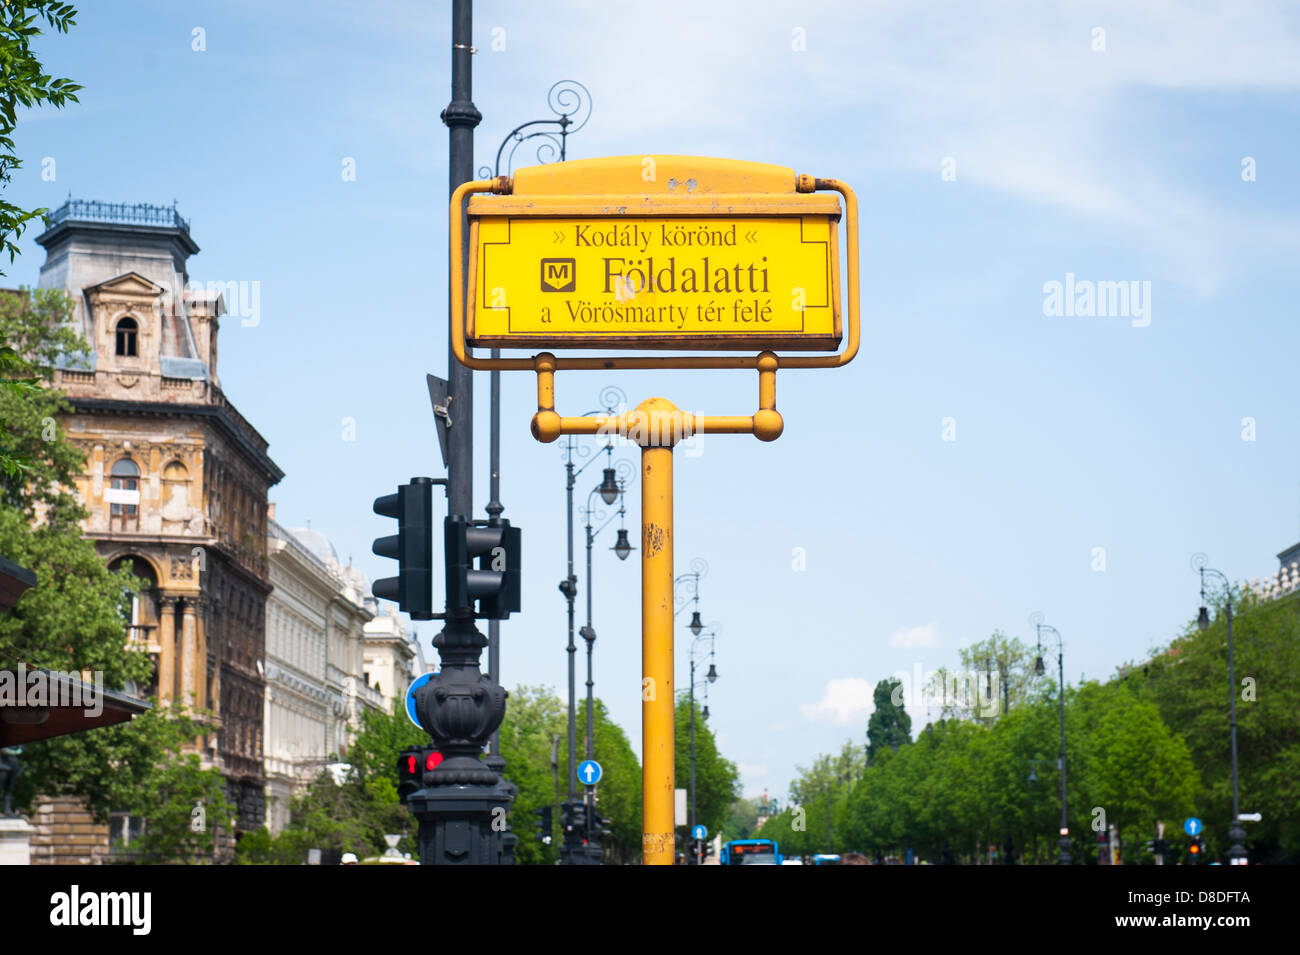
[(1188, 683), (889, 724), (717, 781), (353, 815), (534, 719), (24, 82), (963, 785), (139, 767)]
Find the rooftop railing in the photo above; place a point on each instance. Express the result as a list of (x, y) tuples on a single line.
[(140, 213)]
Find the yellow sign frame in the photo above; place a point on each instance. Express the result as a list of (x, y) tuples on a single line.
[(670, 186)]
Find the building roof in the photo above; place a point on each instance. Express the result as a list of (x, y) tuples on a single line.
[(14, 580), (316, 547), (26, 724)]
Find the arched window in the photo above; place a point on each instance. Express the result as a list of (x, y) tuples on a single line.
[(140, 609), (126, 334), (124, 507), (175, 491)]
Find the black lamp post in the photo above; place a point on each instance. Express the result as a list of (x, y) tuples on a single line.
[(611, 398), (571, 103), (610, 489), (1237, 854), (1039, 669), (710, 677)]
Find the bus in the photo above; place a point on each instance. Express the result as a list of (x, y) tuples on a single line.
[(750, 852)]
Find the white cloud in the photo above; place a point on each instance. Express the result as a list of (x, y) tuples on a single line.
[(781, 727), (912, 637), (1013, 91), (843, 701)]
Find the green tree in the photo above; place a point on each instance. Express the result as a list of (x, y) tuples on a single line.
[(1188, 682), (889, 724), (996, 675), (534, 718), (138, 767), (381, 736), (74, 618), (17, 378), (1125, 761), (24, 82), (742, 820), (351, 817), (717, 781), (619, 792)]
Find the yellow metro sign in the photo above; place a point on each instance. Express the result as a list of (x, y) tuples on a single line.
[(563, 262)]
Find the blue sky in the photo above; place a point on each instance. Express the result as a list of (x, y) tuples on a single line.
[(1071, 432)]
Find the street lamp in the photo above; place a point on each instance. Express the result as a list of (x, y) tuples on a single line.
[(622, 547), (710, 677), (610, 488), (1039, 669), (699, 568), (1237, 854), (616, 478), (611, 398)]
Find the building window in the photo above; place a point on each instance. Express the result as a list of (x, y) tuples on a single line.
[(124, 494), (126, 335)]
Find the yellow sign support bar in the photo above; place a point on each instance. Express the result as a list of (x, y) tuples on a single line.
[(573, 192)]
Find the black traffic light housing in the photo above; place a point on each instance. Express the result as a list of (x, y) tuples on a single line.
[(545, 821), (1195, 849), (483, 566), (411, 546), (412, 764)]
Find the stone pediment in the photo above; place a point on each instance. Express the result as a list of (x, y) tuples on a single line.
[(127, 285)]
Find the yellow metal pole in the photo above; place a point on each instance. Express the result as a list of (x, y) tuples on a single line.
[(657, 693)]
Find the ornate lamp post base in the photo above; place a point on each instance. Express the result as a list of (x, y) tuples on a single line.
[(462, 825), (1064, 857)]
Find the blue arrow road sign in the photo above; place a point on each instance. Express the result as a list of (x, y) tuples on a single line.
[(1192, 826), (418, 682), (699, 832), (589, 772)]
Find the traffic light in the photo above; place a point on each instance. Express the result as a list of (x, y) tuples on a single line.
[(411, 546), (1196, 848), (483, 566), (409, 772), (573, 816), (545, 819), (411, 767)]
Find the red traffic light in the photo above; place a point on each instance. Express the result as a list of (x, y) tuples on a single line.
[(432, 760), (1194, 849), (411, 764)]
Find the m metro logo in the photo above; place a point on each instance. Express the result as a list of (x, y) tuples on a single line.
[(559, 275)]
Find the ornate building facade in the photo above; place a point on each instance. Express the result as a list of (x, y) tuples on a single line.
[(316, 684), (176, 479), (391, 657)]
